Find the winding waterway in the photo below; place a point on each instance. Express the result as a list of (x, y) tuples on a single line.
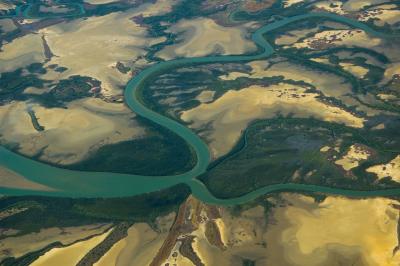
[(100, 184)]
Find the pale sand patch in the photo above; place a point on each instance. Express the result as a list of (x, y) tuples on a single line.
[(92, 46), (340, 37), (36, 91), (17, 246), (9, 179), (382, 16), (205, 96), (176, 258), (288, 3), (5, 213), (330, 85), (353, 157), (358, 71), (293, 36), (387, 97), (390, 71), (322, 60), (331, 6), (233, 75), (70, 134), (325, 149), (300, 231), (55, 9), (232, 112), (202, 36), (369, 59), (21, 52), (355, 5), (379, 127), (391, 169), (242, 236), (138, 248), (316, 234), (7, 25), (6, 6), (70, 255)]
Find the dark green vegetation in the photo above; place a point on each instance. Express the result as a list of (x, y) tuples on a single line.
[(184, 84), (118, 233), (287, 150), (158, 153), (35, 121), (177, 90), (45, 212), (13, 83), (75, 87), (358, 56)]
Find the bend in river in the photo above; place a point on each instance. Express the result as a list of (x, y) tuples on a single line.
[(100, 184)]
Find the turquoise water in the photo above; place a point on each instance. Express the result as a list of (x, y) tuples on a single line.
[(100, 184)]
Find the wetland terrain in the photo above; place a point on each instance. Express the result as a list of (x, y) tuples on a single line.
[(199, 132)]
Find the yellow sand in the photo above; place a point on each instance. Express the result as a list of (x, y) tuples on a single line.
[(391, 169), (17, 246), (92, 46), (362, 232), (343, 37), (288, 3), (70, 134), (358, 71), (300, 231), (6, 6), (7, 25), (391, 70), (293, 36), (331, 6), (205, 96), (355, 5), (9, 179), (321, 60), (21, 52), (55, 9), (11, 211), (138, 248), (231, 113), (325, 149), (202, 36), (329, 85), (176, 258), (353, 157), (70, 255), (382, 16), (234, 75), (387, 97), (379, 127)]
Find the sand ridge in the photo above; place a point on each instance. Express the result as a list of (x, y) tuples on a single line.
[(353, 157), (19, 245), (391, 169), (232, 112), (70, 255), (202, 36), (88, 123)]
